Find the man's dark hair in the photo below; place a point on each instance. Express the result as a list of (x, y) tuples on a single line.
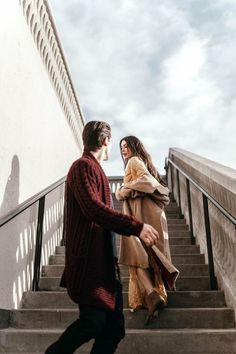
[(94, 134)]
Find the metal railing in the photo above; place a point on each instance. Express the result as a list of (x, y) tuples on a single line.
[(206, 197), (115, 182), (40, 199)]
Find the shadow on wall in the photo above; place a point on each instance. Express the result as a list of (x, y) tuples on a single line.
[(24, 252), (12, 190), (17, 248)]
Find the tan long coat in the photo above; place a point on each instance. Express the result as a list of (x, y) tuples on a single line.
[(138, 196)]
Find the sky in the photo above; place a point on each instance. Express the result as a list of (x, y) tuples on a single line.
[(162, 70)]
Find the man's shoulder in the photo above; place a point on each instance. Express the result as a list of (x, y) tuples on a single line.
[(82, 163)]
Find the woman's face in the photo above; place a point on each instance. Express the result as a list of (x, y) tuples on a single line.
[(125, 150)]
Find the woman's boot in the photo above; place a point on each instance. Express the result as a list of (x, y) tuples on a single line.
[(155, 302)]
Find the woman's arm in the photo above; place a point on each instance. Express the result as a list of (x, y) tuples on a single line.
[(141, 178), (123, 193)]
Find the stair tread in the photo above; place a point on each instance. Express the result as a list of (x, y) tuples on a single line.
[(126, 278), (185, 298), (129, 330), (140, 341), (179, 254), (170, 318), (176, 309)]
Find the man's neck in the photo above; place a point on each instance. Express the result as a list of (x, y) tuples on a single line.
[(99, 155)]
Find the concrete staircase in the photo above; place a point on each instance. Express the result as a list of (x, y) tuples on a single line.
[(195, 321)]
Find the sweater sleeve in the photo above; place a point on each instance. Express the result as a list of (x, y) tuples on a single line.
[(84, 184)]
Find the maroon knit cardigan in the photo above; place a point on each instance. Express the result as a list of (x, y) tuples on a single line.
[(89, 274)]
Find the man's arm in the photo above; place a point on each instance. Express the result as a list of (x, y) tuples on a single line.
[(84, 184)]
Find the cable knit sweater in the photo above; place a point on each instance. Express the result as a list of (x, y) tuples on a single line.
[(89, 274)]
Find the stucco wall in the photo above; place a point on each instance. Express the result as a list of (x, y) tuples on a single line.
[(37, 145), (40, 136)]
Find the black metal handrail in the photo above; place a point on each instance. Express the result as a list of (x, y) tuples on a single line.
[(39, 197), (205, 197), (29, 202)]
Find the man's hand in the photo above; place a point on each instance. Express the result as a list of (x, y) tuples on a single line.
[(149, 235)]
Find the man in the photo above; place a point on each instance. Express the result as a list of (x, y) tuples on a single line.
[(91, 273)]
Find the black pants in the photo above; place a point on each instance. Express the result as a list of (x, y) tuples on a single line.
[(107, 327)]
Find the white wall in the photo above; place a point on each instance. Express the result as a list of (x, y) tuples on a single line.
[(17, 251), (36, 143), (40, 136)]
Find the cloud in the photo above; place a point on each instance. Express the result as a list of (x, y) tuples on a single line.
[(163, 71)]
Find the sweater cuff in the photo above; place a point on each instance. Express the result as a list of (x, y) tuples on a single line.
[(139, 228)]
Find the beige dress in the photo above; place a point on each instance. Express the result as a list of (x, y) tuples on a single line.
[(149, 268)]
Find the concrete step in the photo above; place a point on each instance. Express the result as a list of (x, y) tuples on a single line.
[(169, 318), (172, 203), (193, 283), (184, 249), (52, 270), (179, 233), (193, 270), (176, 221), (185, 270), (176, 259), (56, 271), (175, 249), (186, 299), (174, 341), (182, 283), (188, 259), (60, 250), (178, 227), (196, 298), (172, 241), (172, 208), (180, 241), (56, 259), (174, 216)]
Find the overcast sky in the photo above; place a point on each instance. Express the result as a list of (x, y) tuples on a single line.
[(161, 70)]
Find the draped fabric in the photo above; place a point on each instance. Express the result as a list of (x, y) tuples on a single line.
[(142, 197)]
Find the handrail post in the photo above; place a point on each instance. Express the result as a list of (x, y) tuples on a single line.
[(171, 181), (190, 212), (63, 240), (38, 246), (179, 195), (213, 279)]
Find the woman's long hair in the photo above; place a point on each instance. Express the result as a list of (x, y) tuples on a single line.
[(138, 149)]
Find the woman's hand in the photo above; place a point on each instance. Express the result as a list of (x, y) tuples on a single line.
[(149, 235)]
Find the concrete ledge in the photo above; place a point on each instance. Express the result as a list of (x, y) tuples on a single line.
[(219, 182)]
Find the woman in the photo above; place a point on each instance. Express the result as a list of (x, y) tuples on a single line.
[(144, 196)]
